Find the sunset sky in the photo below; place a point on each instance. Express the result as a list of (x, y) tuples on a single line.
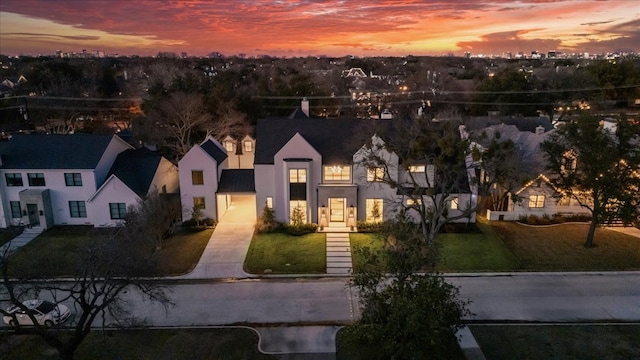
[(318, 27)]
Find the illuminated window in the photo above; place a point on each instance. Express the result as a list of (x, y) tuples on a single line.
[(569, 162), (416, 168), (375, 174), (297, 176), (536, 201), (414, 202), (228, 145), (455, 203), (197, 177), (374, 210), (247, 145), (337, 173), (199, 203), (270, 202)]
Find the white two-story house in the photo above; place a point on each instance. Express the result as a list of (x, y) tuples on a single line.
[(48, 180)]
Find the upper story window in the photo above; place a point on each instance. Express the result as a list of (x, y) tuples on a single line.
[(197, 177), (73, 179), (36, 179), (337, 173), (375, 174), (247, 145), (297, 176), (416, 168), (411, 202), (569, 162), (13, 179), (228, 145)]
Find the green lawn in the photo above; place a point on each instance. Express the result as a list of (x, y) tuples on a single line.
[(56, 252), (508, 246), (227, 343), (561, 247), (281, 253), (9, 233), (587, 342)]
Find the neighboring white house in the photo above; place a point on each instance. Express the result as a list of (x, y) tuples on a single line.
[(134, 175), (52, 180), (313, 164)]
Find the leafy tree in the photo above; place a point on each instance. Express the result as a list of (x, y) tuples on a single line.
[(405, 315), (267, 221), (109, 268), (196, 214), (437, 147), (510, 92), (598, 168)]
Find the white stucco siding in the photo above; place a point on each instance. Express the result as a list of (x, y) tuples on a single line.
[(296, 148), (166, 176), (265, 186), (198, 160), (113, 191), (115, 147)]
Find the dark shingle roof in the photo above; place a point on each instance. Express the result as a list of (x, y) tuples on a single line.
[(237, 181), (136, 168), (214, 151), (330, 137), (78, 151)]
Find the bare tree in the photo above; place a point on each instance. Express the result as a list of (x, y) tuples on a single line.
[(176, 123), (152, 218), (107, 270)]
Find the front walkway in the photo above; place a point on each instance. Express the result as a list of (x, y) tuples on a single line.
[(21, 240), (224, 255), (338, 253)]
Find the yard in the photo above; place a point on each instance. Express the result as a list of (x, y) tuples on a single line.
[(508, 246), (226, 343), (280, 253), (9, 233), (558, 342), (56, 252)]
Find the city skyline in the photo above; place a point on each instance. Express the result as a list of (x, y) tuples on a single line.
[(314, 28)]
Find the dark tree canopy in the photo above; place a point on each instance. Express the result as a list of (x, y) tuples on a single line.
[(597, 167)]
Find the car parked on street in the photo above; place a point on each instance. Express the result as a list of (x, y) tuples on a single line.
[(45, 313)]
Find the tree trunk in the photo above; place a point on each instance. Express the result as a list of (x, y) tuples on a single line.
[(592, 230)]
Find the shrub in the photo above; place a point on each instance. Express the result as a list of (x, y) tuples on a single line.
[(300, 229), (369, 227), (267, 222)]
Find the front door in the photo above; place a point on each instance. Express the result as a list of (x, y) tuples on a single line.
[(336, 211), (34, 216)]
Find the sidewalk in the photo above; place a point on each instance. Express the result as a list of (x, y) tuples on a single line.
[(224, 255), (19, 241)]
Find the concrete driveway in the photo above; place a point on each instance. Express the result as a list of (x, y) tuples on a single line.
[(224, 255)]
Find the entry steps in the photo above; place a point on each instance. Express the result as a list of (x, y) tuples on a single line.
[(338, 253)]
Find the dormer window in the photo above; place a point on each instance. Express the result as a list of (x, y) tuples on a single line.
[(247, 146), (337, 173), (228, 145), (416, 168)]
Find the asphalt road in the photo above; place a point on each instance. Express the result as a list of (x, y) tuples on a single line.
[(526, 297)]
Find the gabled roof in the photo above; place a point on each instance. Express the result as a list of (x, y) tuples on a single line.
[(237, 181), (214, 151), (136, 169), (78, 151), (330, 137)]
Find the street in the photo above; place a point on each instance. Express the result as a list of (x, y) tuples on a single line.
[(526, 297)]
